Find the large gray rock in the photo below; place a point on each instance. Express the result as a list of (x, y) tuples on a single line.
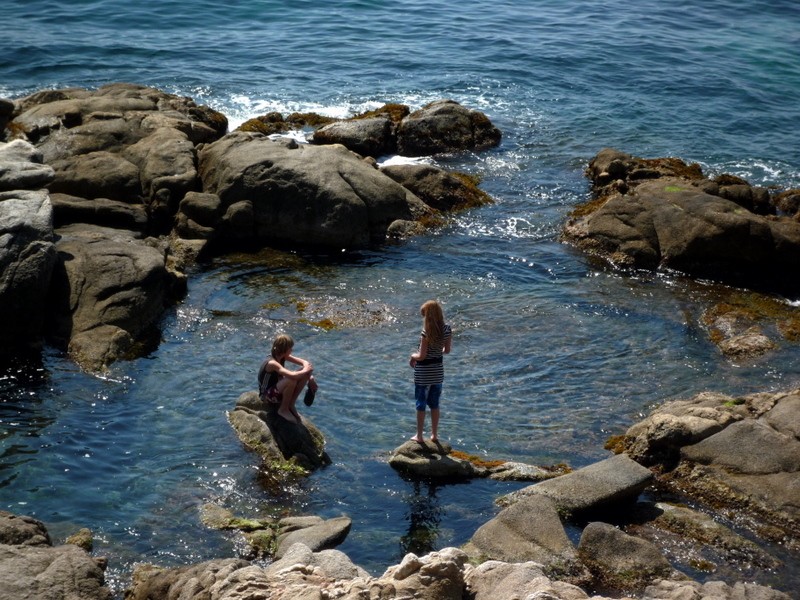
[(368, 137), (98, 211), (664, 214), (21, 167), (445, 126), (437, 188), (606, 484), (123, 142), (285, 448), (27, 259), (659, 438), (621, 561), (750, 447), (110, 289), (62, 572), (493, 580), (432, 460), (193, 582), (734, 453), (529, 530), (333, 563), (315, 533), (32, 569), (300, 194), (21, 530)]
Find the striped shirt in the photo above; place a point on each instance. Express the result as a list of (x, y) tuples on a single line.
[(430, 371)]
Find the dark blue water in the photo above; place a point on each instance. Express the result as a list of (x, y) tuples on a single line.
[(551, 353)]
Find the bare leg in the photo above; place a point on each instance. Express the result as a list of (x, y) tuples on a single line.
[(434, 424), (288, 397), (299, 385), (420, 424)]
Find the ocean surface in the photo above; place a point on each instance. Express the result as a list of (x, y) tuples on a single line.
[(552, 353)]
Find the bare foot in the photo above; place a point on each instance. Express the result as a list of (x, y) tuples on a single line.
[(434, 439), (288, 416), (417, 439)]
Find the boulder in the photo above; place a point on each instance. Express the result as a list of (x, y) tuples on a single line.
[(27, 260), (109, 288), (333, 564), (659, 438), (199, 216), (662, 213), (193, 582), (445, 126), (607, 484), (750, 447), (315, 533), (433, 460), (21, 167), (493, 579), (32, 569), (436, 576), (98, 211), (299, 194), (123, 142), (439, 189), (33, 573), (286, 448), (529, 530), (21, 530), (738, 455), (620, 561), (369, 137)]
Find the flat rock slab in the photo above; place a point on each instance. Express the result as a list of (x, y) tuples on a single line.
[(612, 481)]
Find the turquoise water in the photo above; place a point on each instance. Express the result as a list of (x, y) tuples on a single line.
[(551, 354)]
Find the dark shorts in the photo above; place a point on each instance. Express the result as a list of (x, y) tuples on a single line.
[(427, 395), (271, 395)]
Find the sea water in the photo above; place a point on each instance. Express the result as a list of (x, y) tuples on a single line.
[(552, 353)]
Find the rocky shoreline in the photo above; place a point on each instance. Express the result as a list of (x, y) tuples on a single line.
[(524, 551), (108, 196)]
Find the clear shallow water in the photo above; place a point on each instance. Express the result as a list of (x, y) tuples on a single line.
[(551, 354)]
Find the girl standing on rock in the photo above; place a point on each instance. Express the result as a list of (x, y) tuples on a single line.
[(277, 384), (428, 366)]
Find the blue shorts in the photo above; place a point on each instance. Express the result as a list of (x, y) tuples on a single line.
[(427, 395)]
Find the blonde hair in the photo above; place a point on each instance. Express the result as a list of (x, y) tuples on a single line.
[(282, 344), (433, 316)]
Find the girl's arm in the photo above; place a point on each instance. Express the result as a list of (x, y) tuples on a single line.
[(284, 372), (422, 352), (298, 361), (447, 344)]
